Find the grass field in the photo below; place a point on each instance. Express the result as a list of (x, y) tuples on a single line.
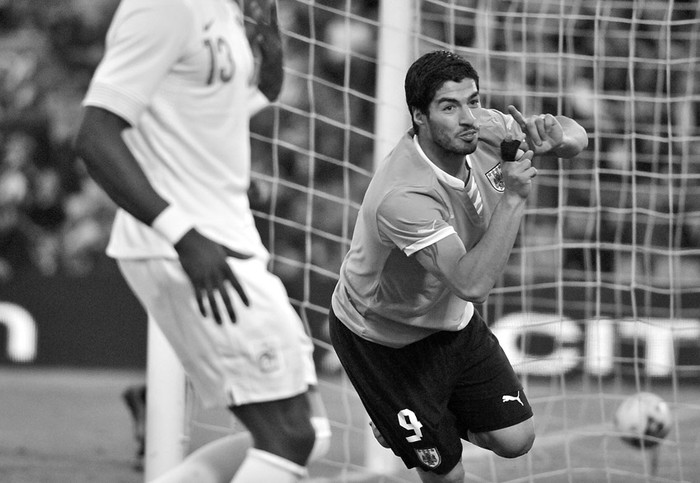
[(70, 426)]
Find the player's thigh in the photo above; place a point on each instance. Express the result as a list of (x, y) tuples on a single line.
[(407, 399), (489, 399), (456, 475)]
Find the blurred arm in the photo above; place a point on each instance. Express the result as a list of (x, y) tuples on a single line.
[(110, 163), (264, 36)]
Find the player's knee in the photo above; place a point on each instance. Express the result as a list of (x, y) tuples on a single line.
[(514, 447), (455, 475), (322, 440), (291, 440), (300, 441)]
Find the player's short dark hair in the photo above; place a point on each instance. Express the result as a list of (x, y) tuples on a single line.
[(427, 74)]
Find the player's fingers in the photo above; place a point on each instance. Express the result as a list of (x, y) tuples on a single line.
[(539, 124), (226, 299), (236, 254), (200, 295), (549, 122), (519, 118), (230, 277), (239, 289), (533, 132), (213, 306)]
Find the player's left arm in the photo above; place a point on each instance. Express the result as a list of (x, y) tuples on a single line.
[(263, 33), (545, 133)]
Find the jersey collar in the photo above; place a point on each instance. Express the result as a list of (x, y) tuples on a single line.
[(448, 179)]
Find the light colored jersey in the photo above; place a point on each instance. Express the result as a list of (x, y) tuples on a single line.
[(384, 295), (180, 72)]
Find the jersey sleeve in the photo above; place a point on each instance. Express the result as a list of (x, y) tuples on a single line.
[(412, 220), (143, 43), (256, 101), (495, 126)]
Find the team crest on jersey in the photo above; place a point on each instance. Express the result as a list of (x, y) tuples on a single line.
[(430, 457), (495, 177)]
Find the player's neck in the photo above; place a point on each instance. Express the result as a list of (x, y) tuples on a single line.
[(451, 163)]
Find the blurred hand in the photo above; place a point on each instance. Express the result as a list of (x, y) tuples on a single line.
[(265, 40), (260, 11), (204, 262), (543, 132)]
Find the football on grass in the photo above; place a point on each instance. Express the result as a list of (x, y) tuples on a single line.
[(643, 420)]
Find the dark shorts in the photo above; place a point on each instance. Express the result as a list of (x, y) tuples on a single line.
[(425, 396)]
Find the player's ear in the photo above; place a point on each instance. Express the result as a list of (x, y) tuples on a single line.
[(418, 116)]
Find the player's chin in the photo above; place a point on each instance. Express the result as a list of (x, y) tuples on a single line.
[(465, 147)]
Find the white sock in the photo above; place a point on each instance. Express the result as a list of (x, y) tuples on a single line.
[(322, 444), (261, 466)]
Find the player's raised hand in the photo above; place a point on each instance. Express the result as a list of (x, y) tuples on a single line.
[(543, 132), (265, 40), (261, 11), (204, 262)]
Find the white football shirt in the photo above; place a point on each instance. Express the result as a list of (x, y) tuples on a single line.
[(180, 72)]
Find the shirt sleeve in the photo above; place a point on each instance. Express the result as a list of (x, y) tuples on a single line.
[(257, 101), (412, 220), (145, 40), (495, 126)]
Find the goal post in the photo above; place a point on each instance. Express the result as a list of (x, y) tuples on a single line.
[(394, 56), (166, 424)]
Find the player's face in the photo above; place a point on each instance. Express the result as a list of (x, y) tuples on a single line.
[(451, 123)]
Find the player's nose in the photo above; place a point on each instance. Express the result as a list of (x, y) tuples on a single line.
[(468, 117)]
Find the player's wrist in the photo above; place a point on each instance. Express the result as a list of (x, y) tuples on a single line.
[(172, 223)]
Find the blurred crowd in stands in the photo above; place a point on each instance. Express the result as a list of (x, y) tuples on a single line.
[(54, 219)]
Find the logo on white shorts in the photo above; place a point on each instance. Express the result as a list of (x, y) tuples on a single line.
[(508, 398), (430, 457), (269, 360)]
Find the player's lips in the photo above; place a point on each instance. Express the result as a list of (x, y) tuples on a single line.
[(470, 135)]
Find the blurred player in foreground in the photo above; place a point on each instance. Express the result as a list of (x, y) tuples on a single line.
[(166, 134), (434, 233)]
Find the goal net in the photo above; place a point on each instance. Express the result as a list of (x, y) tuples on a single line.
[(601, 298)]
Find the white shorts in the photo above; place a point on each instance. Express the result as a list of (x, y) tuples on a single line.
[(265, 356)]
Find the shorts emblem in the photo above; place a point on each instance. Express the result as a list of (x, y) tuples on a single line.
[(268, 361), (506, 398), (269, 357), (430, 457)]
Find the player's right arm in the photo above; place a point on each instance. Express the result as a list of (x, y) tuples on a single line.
[(111, 164), (472, 274), (265, 40)]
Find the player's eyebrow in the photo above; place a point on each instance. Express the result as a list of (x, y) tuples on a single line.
[(473, 96)]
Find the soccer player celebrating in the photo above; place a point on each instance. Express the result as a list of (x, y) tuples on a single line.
[(434, 233), (166, 134)]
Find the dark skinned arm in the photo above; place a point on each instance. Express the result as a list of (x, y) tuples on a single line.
[(109, 161)]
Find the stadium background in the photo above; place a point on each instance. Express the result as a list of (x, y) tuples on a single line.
[(54, 222)]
